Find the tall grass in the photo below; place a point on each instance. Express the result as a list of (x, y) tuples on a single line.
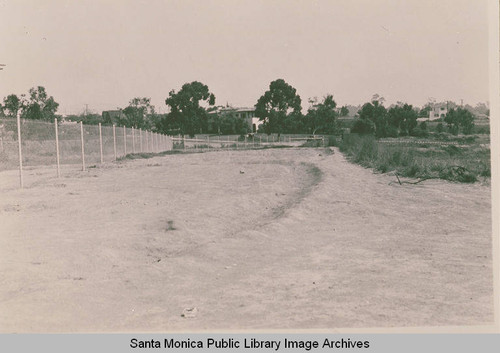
[(449, 162)]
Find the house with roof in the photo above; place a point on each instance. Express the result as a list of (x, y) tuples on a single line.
[(438, 111), (247, 114)]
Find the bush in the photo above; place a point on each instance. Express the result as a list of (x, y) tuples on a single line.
[(363, 126), (418, 132), (460, 164), (391, 131), (482, 129), (440, 128)]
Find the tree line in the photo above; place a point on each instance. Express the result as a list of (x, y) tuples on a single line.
[(192, 110)]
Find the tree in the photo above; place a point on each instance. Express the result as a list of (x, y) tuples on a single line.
[(377, 114), (39, 106), (231, 123), (279, 108), (363, 126), (186, 114), (403, 118), (322, 117), (344, 111), (460, 118), (424, 112), (139, 114), (11, 105)]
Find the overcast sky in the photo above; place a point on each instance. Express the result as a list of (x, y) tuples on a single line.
[(103, 53)]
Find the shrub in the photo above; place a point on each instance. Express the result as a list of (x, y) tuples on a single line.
[(418, 132), (461, 164), (363, 126)]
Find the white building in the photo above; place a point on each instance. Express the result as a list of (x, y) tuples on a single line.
[(438, 111)]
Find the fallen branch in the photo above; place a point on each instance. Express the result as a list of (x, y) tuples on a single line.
[(458, 170)]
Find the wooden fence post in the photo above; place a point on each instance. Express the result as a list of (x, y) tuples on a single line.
[(124, 140), (83, 146), (100, 143), (140, 140), (57, 149), (20, 149), (133, 140), (114, 140)]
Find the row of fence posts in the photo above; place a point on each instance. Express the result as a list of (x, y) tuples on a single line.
[(154, 140), (237, 143)]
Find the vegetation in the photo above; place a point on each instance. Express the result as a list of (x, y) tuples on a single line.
[(227, 123), (280, 109), (139, 114), (186, 114), (322, 117), (460, 119), (37, 106), (466, 163)]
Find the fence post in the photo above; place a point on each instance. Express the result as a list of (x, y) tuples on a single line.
[(253, 140), (100, 143), (57, 149), (147, 140), (114, 139), (140, 139), (152, 145), (124, 140), (133, 140), (245, 141), (83, 146), (183, 142), (20, 149)]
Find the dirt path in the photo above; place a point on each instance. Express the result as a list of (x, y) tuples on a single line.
[(266, 239)]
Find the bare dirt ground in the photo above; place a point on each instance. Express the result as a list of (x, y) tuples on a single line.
[(264, 239)]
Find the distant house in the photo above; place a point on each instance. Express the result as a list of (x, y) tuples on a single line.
[(112, 116), (247, 114), (439, 111)]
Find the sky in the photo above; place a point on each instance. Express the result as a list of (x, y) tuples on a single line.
[(104, 53)]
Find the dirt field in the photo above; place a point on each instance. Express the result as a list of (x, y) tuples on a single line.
[(264, 239)]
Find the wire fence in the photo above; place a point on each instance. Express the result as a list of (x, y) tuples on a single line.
[(25, 143), (235, 142)]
